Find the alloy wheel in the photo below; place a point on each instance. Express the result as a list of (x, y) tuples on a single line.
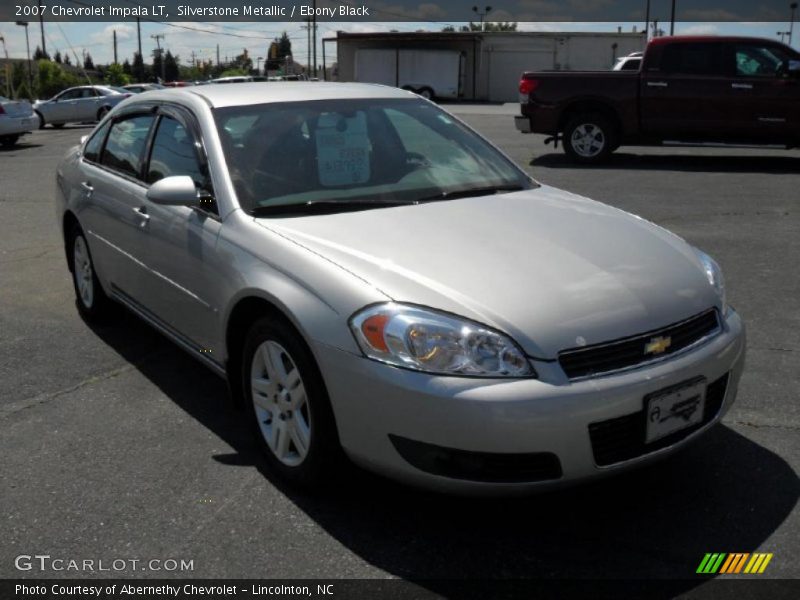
[(280, 403), (588, 140), (82, 271)]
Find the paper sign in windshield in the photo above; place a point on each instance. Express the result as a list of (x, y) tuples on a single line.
[(342, 149)]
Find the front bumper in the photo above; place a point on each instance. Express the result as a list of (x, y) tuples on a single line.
[(375, 404)]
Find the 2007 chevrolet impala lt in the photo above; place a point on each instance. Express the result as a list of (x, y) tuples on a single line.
[(377, 281)]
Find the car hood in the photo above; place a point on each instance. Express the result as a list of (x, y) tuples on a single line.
[(551, 269)]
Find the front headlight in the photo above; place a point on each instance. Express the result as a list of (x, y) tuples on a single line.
[(426, 340), (714, 275)]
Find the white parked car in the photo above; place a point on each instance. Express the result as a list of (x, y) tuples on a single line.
[(80, 104), (16, 118), (632, 62)]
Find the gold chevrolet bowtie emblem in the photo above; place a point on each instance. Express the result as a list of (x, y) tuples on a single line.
[(657, 345)]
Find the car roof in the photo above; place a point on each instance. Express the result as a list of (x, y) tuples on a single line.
[(262, 92)]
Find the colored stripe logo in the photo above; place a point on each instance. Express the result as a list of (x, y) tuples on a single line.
[(734, 563)]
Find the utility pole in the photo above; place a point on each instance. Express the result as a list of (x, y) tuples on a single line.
[(217, 54), (139, 35), (194, 59), (793, 7), (314, 25), (41, 26), (158, 37), (307, 27), (672, 20), (28, 50), (115, 47), (647, 22), (482, 13)]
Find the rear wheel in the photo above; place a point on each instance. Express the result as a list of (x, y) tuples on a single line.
[(287, 405), (58, 125), (426, 93), (102, 113), (589, 138), (9, 140), (93, 304)]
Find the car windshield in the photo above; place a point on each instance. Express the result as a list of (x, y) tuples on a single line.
[(367, 152)]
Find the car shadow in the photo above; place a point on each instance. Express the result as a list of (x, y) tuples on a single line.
[(679, 162), (20, 145), (723, 493)]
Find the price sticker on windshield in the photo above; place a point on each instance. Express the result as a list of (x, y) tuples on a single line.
[(342, 149)]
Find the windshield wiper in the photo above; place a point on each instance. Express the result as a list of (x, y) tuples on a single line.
[(315, 207), (478, 191)]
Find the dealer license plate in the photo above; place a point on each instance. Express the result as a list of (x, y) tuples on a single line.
[(675, 408)]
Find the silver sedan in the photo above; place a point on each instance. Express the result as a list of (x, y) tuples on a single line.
[(16, 119), (378, 282), (82, 104)]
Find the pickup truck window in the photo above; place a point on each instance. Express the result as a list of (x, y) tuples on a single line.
[(759, 60), (693, 59)]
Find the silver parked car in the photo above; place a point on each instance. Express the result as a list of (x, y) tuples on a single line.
[(16, 119), (81, 104), (377, 281)]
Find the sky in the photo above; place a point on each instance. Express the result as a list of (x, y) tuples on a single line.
[(232, 37)]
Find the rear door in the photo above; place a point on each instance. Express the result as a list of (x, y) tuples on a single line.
[(766, 98), (86, 105), (681, 95), (114, 186)]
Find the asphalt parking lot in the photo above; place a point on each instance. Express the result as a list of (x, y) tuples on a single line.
[(115, 444)]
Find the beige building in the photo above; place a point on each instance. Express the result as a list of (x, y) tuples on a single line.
[(491, 62)]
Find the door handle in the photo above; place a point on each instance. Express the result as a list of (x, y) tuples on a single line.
[(87, 187), (141, 212), (742, 86), (661, 84)]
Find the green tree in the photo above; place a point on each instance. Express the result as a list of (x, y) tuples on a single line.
[(126, 67), (138, 70), (67, 61), (39, 55), (115, 75), (171, 71), (157, 62), (487, 26), (51, 78), (88, 63), (57, 57), (284, 46)]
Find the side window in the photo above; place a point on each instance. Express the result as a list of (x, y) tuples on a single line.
[(693, 59), (174, 153), (70, 95), (125, 145), (758, 60), (91, 151)]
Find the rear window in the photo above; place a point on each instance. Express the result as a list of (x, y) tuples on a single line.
[(126, 143), (693, 59)]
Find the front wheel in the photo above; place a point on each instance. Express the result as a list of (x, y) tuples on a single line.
[(287, 405), (589, 138)]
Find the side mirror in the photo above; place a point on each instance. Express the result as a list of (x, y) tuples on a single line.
[(177, 190)]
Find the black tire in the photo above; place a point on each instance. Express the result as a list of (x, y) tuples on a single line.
[(9, 140), (324, 456), (426, 93), (58, 125), (98, 307), (589, 138), (42, 122)]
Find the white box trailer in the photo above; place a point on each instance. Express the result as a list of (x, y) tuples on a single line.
[(430, 73)]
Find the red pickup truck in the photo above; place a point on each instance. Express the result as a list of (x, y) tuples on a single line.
[(734, 90)]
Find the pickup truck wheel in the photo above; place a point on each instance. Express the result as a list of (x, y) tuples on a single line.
[(589, 138)]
